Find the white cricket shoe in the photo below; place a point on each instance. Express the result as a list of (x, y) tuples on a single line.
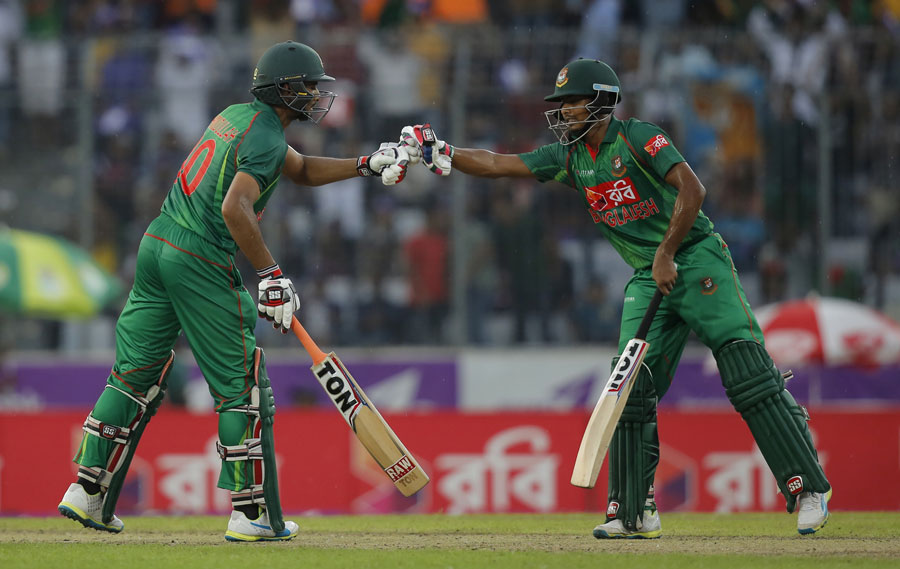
[(87, 509), (240, 528), (649, 528), (813, 512)]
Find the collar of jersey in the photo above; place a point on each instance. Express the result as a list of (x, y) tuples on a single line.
[(260, 106), (613, 130)]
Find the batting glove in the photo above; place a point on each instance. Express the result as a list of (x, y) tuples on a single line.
[(390, 162), (436, 154), (410, 142), (277, 298)]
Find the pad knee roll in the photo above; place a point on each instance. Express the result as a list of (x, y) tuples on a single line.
[(634, 452), (778, 424)]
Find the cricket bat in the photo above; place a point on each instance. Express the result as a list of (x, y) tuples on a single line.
[(364, 419), (605, 417)]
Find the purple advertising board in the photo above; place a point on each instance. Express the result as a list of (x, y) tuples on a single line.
[(436, 382), (416, 384)]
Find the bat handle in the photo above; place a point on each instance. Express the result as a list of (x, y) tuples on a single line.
[(315, 353), (648, 316)]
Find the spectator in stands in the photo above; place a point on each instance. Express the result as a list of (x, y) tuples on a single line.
[(427, 258), (793, 39), (307, 14), (395, 79), (480, 272), (599, 32), (10, 32), (268, 19), (521, 257), (204, 11), (184, 75), (42, 70), (594, 315)]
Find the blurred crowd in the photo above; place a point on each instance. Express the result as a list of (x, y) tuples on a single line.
[(788, 110)]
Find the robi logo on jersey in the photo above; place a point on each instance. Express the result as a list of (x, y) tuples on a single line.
[(655, 144), (616, 203), (611, 194)]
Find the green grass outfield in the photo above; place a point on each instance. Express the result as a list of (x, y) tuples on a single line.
[(496, 541)]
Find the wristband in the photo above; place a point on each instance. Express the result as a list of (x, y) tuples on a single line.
[(362, 167), (270, 272)]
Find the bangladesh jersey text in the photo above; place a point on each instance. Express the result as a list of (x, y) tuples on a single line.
[(623, 185)]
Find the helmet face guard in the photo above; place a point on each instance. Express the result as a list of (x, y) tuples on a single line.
[(297, 96), (599, 110)]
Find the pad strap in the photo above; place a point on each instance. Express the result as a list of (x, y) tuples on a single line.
[(95, 474), (115, 433), (251, 409), (249, 496), (118, 435), (250, 450), (143, 402)]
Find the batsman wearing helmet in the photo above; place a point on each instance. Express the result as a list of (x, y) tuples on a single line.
[(645, 199), (186, 280)]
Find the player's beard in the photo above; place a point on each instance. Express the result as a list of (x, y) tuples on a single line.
[(581, 128), (570, 130)]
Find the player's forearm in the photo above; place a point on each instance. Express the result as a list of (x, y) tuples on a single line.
[(318, 170), (244, 228), (487, 164), (684, 214)]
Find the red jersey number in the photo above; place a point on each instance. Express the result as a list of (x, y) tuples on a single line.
[(207, 150)]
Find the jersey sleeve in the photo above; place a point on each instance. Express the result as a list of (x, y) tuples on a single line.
[(654, 147), (261, 154), (548, 163)]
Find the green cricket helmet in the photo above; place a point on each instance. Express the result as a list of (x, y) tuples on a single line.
[(586, 78), (283, 77)]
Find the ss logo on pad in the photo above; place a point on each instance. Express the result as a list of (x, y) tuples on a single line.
[(109, 431)]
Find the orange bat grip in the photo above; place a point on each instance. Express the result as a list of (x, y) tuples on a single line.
[(315, 353)]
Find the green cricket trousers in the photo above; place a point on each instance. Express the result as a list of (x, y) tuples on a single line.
[(707, 298), (182, 283)]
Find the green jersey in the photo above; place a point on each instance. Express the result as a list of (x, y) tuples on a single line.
[(623, 185), (246, 138)]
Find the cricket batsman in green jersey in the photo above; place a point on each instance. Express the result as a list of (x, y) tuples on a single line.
[(645, 199), (186, 280)]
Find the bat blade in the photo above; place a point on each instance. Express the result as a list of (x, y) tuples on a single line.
[(370, 427), (375, 435), (605, 417)]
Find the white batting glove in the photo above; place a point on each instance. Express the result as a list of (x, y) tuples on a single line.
[(436, 154), (389, 162), (277, 298), (441, 160), (410, 143)]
